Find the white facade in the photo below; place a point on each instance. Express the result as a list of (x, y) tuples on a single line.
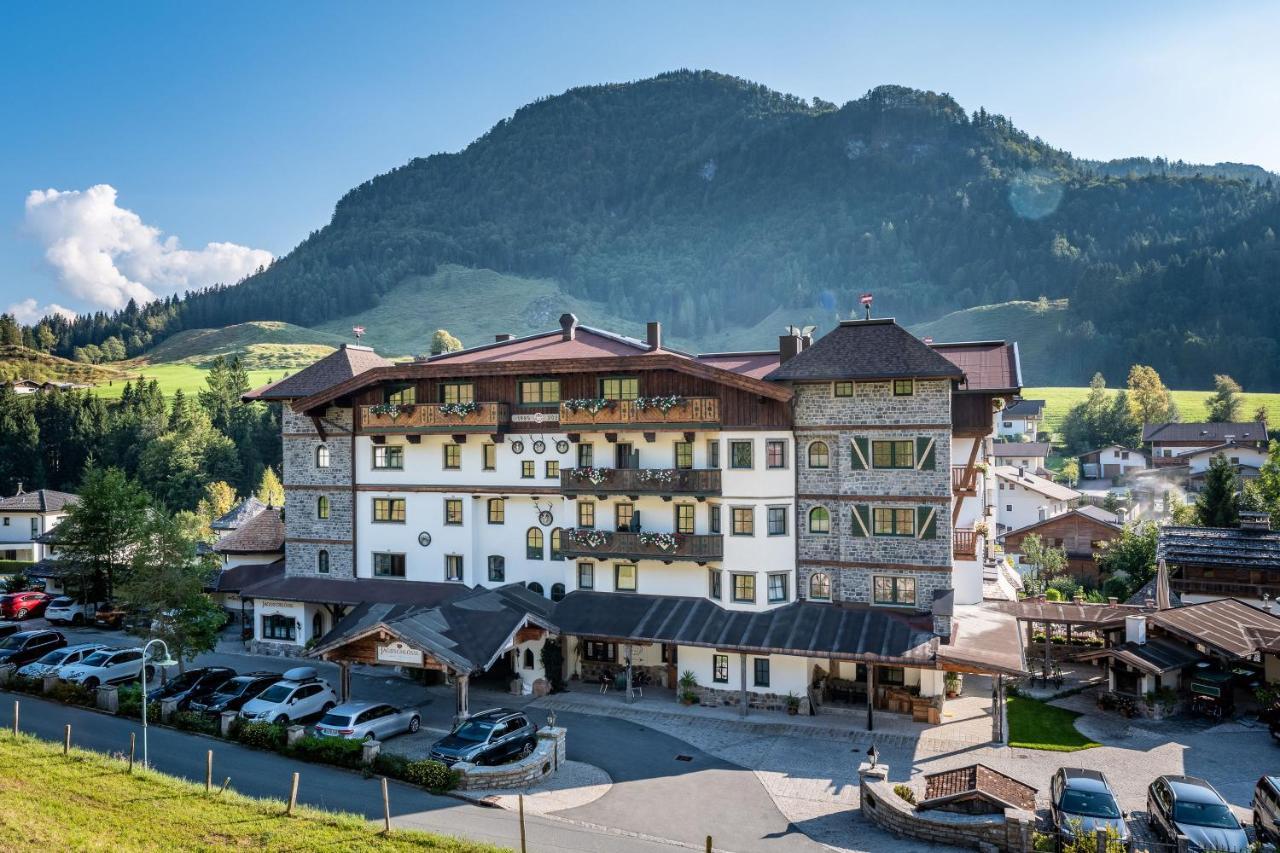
[(1249, 456), (1010, 426), (19, 530), (1023, 498), (1113, 461)]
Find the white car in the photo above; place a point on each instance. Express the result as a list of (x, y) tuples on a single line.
[(301, 694), (53, 662), (107, 666), (65, 610)]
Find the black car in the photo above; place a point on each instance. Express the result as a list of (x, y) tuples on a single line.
[(1185, 805), (1266, 809), (9, 628), (233, 693), (194, 685), (1082, 801), (490, 737), (26, 646)]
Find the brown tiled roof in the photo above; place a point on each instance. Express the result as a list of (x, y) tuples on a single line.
[(1217, 433), (262, 534), (41, 500), (237, 578), (1063, 612), (1219, 546), (1226, 624), (586, 343), (757, 365), (977, 780), (987, 365), (867, 350), (338, 366)]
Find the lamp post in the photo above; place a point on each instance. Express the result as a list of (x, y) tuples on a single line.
[(142, 676)]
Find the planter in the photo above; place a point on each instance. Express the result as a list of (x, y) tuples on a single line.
[(792, 712)]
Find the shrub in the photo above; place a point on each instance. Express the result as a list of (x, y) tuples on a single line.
[(24, 684), (392, 765), (327, 750), (190, 721), (261, 735), (1067, 586), (130, 704), (1052, 594), (432, 775), (905, 792), (71, 694)]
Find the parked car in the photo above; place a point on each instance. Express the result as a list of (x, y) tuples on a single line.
[(26, 646), (1185, 805), (235, 692), (490, 737), (9, 628), (107, 666), (1083, 801), (51, 662), (302, 693), (193, 685), (23, 605), (109, 615), (68, 610), (368, 721), (1266, 810)]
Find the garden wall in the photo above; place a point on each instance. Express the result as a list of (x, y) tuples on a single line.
[(545, 760)]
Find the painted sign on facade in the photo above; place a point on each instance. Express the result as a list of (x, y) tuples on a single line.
[(398, 652)]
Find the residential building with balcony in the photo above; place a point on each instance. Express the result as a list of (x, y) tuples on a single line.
[(26, 517)]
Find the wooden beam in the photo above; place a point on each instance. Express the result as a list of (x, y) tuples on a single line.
[(378, 439), (459, 438), (318, 423), (650, 437), (742, 686), (871, 697), (414, 438), (611, 437), (969, 477)]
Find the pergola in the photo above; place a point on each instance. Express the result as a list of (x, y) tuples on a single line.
[(1072, 614)]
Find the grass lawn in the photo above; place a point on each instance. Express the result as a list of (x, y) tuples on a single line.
[(188, 377), (1190, 404), (89, 802), (1035, 725)]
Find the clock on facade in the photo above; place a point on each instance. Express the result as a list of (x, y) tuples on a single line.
[(562, 446), (545, 518), (424, 539), (539, 446)]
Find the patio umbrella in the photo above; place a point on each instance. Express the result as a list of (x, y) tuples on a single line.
[(1163, 601)]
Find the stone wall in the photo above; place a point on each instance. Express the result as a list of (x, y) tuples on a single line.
[(715, 698), (305, 483), (545, 760), (1012, 831)]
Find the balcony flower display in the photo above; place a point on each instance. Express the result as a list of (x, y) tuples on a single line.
[(588, 537), (661, 541), (656, 476), (595, 476), (663, 404), (594, 405), (458, 410), (391, 410)]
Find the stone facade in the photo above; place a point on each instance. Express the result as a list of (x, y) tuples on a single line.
[(306, 534), (547, 758), (713, 697)]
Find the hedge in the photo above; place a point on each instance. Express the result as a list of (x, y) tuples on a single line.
[(15, 567)]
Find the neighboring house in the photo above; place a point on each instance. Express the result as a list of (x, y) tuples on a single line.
[(26, 517), (1022, 418), (1110, 462), (1168, 442), (24, 386), (1027, 455), (1220, 562), (1023, 498), (259, 538), (1081, 532), (1247, 459)]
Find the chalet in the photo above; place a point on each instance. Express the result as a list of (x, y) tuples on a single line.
[(25, 517), (1026, 455), (1021, 419), (1110, 462), (1081, 532), (23, 386), (1024, 498), (1168, 442), (1206, 563)]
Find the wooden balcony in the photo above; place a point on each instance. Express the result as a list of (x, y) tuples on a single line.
[(689, 413), (669, 547), (964, 481), (1226, 589), (699, 483), (964, 543), (429, 418)]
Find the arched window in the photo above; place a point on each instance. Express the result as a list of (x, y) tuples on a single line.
[(322, 562), (317, 626), (533, 544), (819, 520), (534, 586), (819, 455), (557, 591), (322, 507), (820, 586), (497, 569), (555, 544), (528, 658), (322, 456)]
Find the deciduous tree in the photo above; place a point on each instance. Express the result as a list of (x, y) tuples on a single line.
[(102, 530), (1225, 404), (1149, 400)]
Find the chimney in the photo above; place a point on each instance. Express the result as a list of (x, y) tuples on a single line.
[(568, 326), (503, 337), (653, 331), (788, 346), (1135, 630), (806, 341), (20, 492), (1249, 519)]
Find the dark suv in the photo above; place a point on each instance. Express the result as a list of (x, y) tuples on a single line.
[(232, 694), (194, 685), (1082, 802), (1185, 805), (1266, 809), (26, 646), (490, 737)]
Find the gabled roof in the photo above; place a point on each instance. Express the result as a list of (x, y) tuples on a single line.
[(1086, 512), (1216, 433), (988, 366), (867, 350), (245, 575), (1219, 546), (238, 514), (754, 364), (1098, 513), (1137, 450), (1048, 488), (1004, 449), (587, 342), (1025, 408), (338, 366), (262, 534), (41, 500), (1147, 592), (1226, 624), (1219, 448), (977, 780), (1156, 656)]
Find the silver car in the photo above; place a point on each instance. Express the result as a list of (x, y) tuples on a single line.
[(53, 661), (368, 721), (1082, 802)]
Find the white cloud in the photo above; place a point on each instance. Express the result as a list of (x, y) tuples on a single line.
[(28, 311), (106, 255)]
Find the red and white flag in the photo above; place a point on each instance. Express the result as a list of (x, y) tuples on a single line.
[(358, 330), (866, 299)]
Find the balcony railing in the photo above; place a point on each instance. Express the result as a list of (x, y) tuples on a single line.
[(964, 480), (433, 417), (1234, 589), (964, 543), (689, 412), (640, 481), (668, 547)]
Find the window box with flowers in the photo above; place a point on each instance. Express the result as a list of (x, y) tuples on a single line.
[(392, 410), (663, 404), (592, 405), (458, 410), (594, 476), (661, 541)]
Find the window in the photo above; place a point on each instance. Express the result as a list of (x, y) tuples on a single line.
[(740, 454), (533, 544), (388, 510), (620, 388), (539, 392), (556, 536), (497, 511), (322, 561), (778, 588), (586, 513), (1008, 507), (775, 453), (528, 469), (894, 590), (457, 392), (497, 569), (891, 675), (489, 458), (761, 672), (714, 584), (777, 525), (623, 516), (893, 454), (277, 627), (452, 457), (819, 455), (820, 586), (402, 394), (819, 520), (453, 567), (586, 455), (684, 454), (453, 511), (317, 625), (322, 456), (553, 469), (322, 507), (684, 518), (557, 592), (586, 575), (624, 577), (713, 518), (713, 453), (599, 652), (388, 565), (844, 389), (887, 521), (534, 586), (388, 456), (744, 521), (904, 387), (720, 669), (527, 657), (744, 588)]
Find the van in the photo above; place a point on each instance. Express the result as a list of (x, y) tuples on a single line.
[(1266, 809)]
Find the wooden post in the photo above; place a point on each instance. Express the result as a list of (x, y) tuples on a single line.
[(225, 783), (15, 717), (344, 680), (133, 742), (66, 743), (1048, 651), (628, 673), (522, 845), (208, 772), (461, 699), (293, 795), (708, 844), (386, 807), (871, 697), (742, 686)]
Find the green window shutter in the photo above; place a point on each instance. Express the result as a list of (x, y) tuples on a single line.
[(926, 453), (927, 522), (860, 453), (861, 525)]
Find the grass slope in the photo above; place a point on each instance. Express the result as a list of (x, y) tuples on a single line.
[(22, 363), (1190, 404), (188, 378), (89, 802), (1034, 325), (1036, 725), (259, 345)]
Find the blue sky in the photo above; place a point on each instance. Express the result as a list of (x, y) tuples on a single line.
[(242, 123)]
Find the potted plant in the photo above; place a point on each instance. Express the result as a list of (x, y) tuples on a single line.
[(952, 682), (688, 687), (793, 704)]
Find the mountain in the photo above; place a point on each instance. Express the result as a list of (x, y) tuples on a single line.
[(727, 210), (259, 345)]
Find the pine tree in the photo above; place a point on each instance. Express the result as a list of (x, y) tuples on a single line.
[(1218, 504), (1225, 403)]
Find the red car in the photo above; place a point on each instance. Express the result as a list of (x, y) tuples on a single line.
[(23, 605)]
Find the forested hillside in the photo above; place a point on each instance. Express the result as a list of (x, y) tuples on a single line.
[(710, 202)]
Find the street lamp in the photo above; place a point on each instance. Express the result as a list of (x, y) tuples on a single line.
[(142, 676)]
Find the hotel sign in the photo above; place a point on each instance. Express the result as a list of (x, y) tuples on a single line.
[(535, 417), (398, 652)]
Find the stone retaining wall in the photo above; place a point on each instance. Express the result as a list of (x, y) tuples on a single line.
[(545, 760), (1013, 831)]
